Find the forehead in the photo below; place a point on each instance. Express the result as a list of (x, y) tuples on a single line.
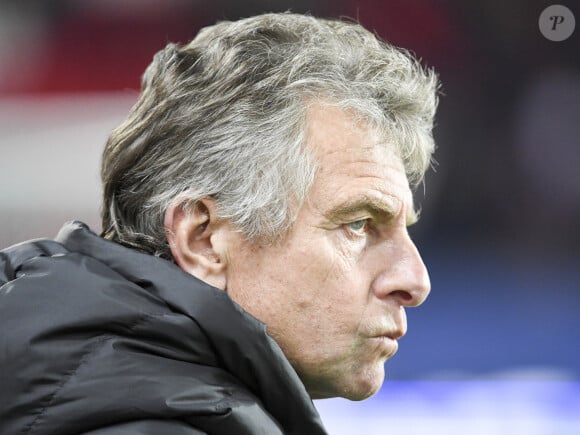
[(352, 163)]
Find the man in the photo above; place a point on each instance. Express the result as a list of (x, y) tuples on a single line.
[(254, 253)]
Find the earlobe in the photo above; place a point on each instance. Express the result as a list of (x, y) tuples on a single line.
[(194, 237)]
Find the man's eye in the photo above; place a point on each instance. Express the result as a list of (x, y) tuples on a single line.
[(359, 226)]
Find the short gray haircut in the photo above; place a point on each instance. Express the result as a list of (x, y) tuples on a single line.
[(224, 116)]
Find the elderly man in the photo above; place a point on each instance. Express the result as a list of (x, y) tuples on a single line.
[(254, 252)]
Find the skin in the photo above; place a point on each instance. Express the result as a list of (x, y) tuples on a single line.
[(334, 289)]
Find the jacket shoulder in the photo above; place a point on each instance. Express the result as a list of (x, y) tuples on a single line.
[(148, 427), (12, 258)]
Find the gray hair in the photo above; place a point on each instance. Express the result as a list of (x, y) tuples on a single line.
[(224, 117)]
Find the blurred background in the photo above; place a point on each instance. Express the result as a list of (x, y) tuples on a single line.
[(495, 349)]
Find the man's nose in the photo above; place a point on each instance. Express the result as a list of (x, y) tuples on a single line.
[(404, 275)]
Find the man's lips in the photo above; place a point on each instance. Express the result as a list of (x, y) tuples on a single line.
[(388, 344), (392, 327), (393, 333)]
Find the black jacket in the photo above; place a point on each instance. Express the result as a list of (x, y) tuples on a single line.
[(98, 338)]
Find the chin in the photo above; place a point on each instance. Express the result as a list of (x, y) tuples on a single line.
[(357, 396), (355, 391), (364, 386), (357, 385)]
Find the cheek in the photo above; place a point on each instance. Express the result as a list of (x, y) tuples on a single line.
[(323, 272), (315, 282), (342, 270), (269, 283), (334, 289)]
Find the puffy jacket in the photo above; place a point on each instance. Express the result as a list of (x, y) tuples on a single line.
[(98, 338)]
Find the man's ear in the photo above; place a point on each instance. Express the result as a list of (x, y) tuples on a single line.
[(196, 238)]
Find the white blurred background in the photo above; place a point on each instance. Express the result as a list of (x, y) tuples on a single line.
[(49, 170)]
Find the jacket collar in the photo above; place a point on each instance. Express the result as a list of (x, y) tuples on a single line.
[(241, 343)]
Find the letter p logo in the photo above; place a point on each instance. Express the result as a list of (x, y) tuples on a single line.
[(556, 19), (557, 23)]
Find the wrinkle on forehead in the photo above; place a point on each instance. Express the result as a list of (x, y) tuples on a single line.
[(332, 130), (353, 166), (322, 110)]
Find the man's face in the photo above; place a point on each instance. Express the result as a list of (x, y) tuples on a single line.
[(333, 291)]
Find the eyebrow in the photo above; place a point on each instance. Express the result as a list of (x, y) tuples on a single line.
[(377, 208)]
